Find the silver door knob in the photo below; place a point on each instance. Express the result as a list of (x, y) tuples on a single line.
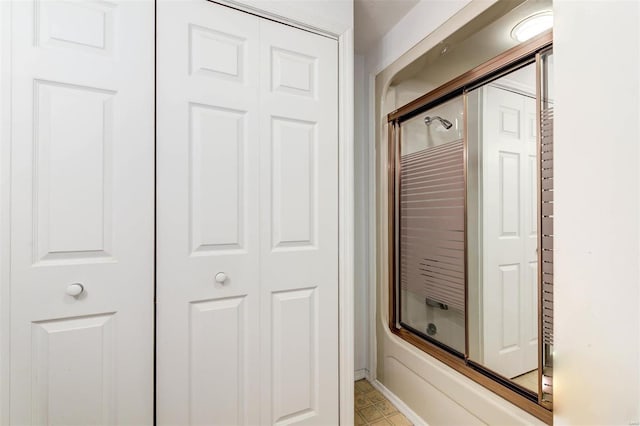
[(221, 277), (75, 289)]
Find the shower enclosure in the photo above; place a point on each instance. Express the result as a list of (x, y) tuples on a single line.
[(471, 267)]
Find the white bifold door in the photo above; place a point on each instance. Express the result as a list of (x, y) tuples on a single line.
[(247, 220), (82, 183), (246, 238)]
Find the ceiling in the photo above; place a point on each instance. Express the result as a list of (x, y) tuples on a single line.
[(374, 18), (481, 39)]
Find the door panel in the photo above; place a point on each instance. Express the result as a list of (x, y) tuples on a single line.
[(294, 350), (299, 226), (82, 197), (217, 149), (293, 176), (87, 396), (218, 361), (74, 215), (207, 215)]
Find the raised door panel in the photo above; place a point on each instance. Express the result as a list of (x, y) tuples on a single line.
[(531, 212), (294, 72), (509, 190), (509, 126), (509, 308), (530, 317), (217, 54), (74, 370), (208, 146), (294, 195), (295, 350), (299, 227), (218, 362), (217, 143), (73, 168), (82, 153), (82, 25)]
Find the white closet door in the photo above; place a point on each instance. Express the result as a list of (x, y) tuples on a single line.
[(247, 187), (82, 210), (298, 226), (207, 193)]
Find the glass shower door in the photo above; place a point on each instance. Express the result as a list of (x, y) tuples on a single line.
[(431, 197)]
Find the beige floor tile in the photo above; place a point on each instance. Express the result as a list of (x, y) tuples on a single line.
[(371, 408), (363, 386), (381, 422), (358, 420), (370, 413), (361, 401), (399, 420), (528, 380), (386, 408), (375, 396)]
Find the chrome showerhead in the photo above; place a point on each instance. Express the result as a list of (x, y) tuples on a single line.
[(445, 123)]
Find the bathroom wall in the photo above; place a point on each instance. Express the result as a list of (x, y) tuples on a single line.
[(362, 235), (5, 225), (597, 49), (597, 213)]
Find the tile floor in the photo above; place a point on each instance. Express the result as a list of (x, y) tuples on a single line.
[(528, 380), (372, 408)]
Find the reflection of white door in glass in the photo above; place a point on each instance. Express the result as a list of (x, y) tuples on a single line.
[(509, 208)]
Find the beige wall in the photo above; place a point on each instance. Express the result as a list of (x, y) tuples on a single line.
[(597, 213)]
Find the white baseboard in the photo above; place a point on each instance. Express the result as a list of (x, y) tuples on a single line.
[(361, 374), (400, 405)]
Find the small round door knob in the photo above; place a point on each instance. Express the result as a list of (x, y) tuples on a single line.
[(75, 289), (221, 277)]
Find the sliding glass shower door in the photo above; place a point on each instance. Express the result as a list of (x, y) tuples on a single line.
[(431, 189)]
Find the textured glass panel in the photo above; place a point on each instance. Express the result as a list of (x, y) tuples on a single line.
[(546, 227), (431, 220)]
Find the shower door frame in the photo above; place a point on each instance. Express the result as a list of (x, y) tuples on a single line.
[(523, 54)]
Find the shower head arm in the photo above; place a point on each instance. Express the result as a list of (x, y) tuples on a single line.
[(428, 120)]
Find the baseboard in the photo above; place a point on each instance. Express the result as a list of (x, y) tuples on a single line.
[(400, 405), (361, 374)]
